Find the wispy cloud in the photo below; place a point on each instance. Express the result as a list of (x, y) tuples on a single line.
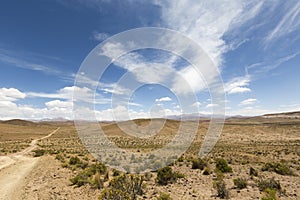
[(99, 36), (163, 99), (15, 60), (238, 85), (289, 23), (266, 66), (248, 102)]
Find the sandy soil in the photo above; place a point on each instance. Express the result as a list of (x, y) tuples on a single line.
[(14, 168)]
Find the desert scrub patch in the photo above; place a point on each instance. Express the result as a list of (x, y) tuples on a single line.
[(240, 183), (39, 152), (269, 183), (92, 175), (60, 157), (97, 181), (270, 194), (199, 164), (222, 166), (164, 196), (165, 176), (74, 160), (253, 172), (206, 171), (279, 168), (220, 185), (125, 186)]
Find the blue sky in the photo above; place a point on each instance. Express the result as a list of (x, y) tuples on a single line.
[(255, 45)]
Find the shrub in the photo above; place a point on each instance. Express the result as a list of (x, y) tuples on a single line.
[(165, 176), (164, 196), (253, 172), (60, 158), (222, 166), (222, 191), (279, 168), (97, 181), (80, 179), (240, 183), (124, 187), (198, 164), (116, 172), (220, 185), (270, 194), (269, 183), (180, 159), (74, 160), (178, 175), (39, 152), (206, 171), (90, 175)]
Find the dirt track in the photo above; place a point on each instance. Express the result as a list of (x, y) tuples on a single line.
[(14, 168)]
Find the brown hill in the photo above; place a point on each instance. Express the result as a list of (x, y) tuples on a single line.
[(19, 122)]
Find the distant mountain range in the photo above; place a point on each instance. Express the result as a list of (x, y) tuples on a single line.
[(291, 115), (193, 116)]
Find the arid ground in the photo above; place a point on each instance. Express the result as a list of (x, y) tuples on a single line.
[(255, 158)]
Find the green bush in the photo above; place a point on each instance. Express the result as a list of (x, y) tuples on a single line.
[(165, 175), (60, 158), (164, 196), (178, 175), (206, 171), (80, 179), (279, 168), (222, 191), (39, 152), (222, 166), (91, 175), (269, 183), (74, 161), (96, 181), (198, 164), (270, 194), (240, 183), (253, 172), (124, 187)]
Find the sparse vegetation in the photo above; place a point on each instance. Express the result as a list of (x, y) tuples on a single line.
[(270, 194), (90, 175), (198, 164), (222, 166), (206, 171), (240, 183), (269, 183), (124, 187), (164, 196), (165, 175), (220, 186), (39, 152), (253, 172), (279, 168)]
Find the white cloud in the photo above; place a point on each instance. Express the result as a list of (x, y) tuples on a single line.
[(196, 104), (112, 50), (163, 99), (248, 102), (11, 94), (290, 22), (59, 104), (237, 85), (83, 93), (206, 22), (211, 105), (100, 36), (146, 71), (17, 61)]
